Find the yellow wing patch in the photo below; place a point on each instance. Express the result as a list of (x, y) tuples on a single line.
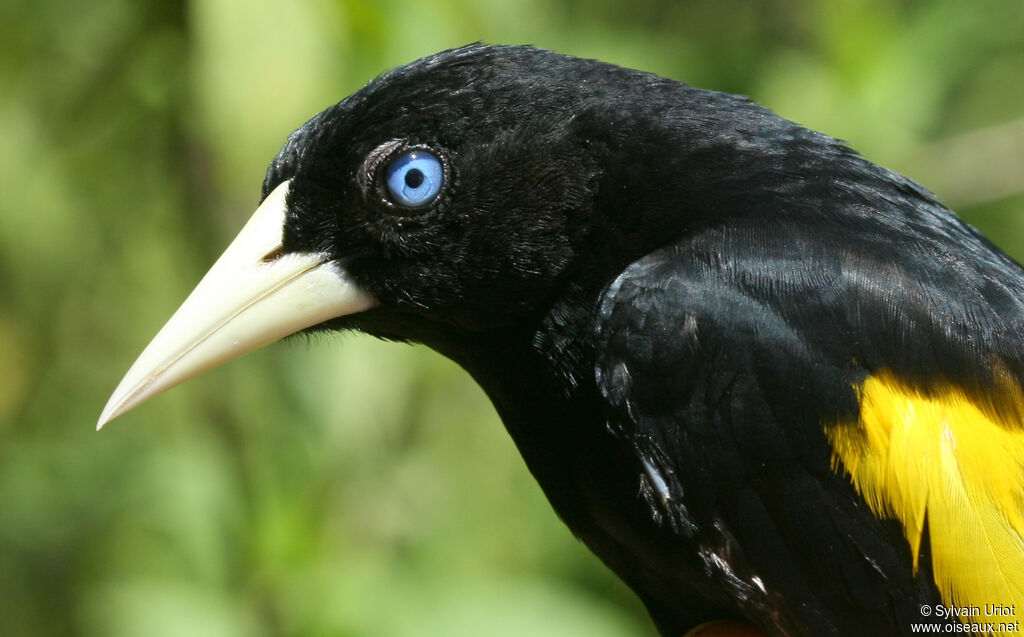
[(943, 455)]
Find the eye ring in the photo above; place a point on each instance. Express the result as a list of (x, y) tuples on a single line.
[(414, 178)]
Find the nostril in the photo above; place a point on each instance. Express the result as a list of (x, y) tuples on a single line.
[(273, 255)]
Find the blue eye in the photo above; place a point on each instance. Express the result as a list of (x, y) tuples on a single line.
[(414, 179)]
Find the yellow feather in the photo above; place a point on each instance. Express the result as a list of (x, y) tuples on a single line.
[(955, 460)]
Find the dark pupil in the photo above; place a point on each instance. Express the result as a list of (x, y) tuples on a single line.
[(414, 178)]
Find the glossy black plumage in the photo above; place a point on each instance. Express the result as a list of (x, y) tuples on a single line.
[(669, 294)]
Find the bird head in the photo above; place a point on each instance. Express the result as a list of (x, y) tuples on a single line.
[(451, 190), (448, 196)]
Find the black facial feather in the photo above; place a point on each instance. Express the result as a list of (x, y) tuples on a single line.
[(668, 293)]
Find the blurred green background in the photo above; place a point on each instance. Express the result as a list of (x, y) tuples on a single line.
[(347, 486)]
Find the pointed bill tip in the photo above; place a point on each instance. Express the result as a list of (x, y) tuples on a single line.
[(116, 406), (132, 390)]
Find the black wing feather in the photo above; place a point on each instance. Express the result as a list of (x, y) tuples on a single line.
[(723, 397)]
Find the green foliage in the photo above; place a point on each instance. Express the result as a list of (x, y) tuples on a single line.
[(355, 487)]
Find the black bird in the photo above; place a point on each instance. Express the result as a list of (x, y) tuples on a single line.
[(759, 376)]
